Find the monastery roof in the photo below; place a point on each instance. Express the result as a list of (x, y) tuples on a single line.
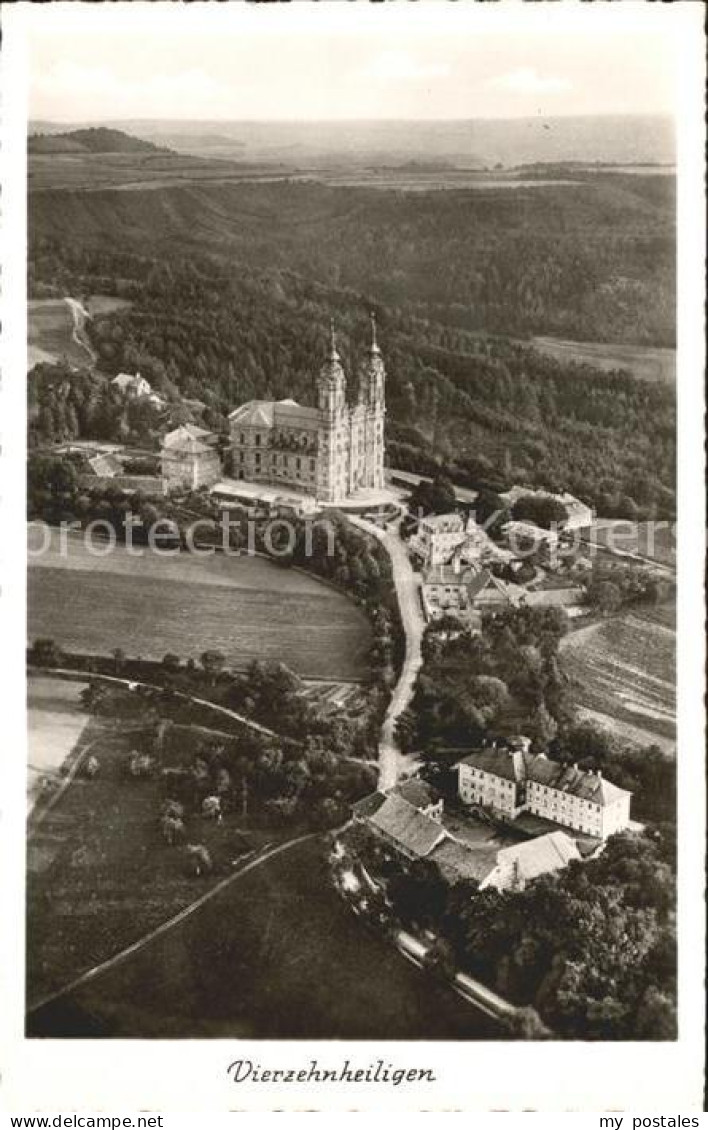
[(368, 805), (271, 413), (409, 827), (515, 765), (540, 855), (459, 861), (189, 438), (505, 763), (287, 412), (473, 579), (254, 414), (570, 779), (418, 793)]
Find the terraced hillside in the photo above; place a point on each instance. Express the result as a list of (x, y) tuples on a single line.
[(625, 676)]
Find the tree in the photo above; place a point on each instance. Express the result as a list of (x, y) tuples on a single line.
[(542, 509), (439, 960), (436, 497), (490, 505), (657, 1016), (172, 828), (526, 1024), (605, 596), (198, 860), (46, 653), (213, 663)]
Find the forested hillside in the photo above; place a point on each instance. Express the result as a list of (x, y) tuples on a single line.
[(592, 261), (232, 289), (97, 139)]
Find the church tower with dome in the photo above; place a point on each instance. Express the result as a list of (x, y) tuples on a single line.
[(333, 451)]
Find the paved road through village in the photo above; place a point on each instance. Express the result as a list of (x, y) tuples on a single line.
[(393, 762)]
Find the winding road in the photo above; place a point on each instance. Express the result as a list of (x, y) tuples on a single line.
[(393, 762)]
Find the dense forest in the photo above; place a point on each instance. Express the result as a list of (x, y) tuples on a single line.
[(590, 952), (97, 139), (488, 410), (594, 260)]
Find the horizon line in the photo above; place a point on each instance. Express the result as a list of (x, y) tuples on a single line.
[(664, 114)]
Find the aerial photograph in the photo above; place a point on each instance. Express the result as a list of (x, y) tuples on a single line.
[(351, 512)]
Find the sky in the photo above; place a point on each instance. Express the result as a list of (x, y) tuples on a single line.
[(434, 59)]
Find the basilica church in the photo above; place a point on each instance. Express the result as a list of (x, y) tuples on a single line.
[(331, 451)]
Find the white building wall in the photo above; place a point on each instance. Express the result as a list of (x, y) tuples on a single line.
[(477, 787)]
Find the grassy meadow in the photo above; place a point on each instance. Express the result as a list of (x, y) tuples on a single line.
[(246, 607), (647, 363), (50, 333), (275, 955)]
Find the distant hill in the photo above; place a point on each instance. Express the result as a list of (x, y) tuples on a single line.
[(638, 139), (99, 139)]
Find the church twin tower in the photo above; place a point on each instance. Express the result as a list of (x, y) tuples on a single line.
[(332, 451), (351, 437)]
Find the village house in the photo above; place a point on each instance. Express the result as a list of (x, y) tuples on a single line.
[(511, 781), (437, 538), (189, 459), (449, 590), (525, 538), (407, 819), (136, 387), (444, 538)]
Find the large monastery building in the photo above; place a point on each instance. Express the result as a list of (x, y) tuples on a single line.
[(330, 451)]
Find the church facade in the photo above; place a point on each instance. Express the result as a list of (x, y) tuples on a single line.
[(330, 451)]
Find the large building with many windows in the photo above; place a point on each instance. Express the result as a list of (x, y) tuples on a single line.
[(331, 451), (511, 781)]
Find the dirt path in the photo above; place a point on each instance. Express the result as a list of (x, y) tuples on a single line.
[(69, 673), (129, 951), (79, 313)]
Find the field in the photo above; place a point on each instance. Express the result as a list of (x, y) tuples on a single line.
[(275, 955), (88, 171), (55, 723), (655, 540), (50, 329), (246, 607), (50, 333), (624, 671), (99, 874), (647, 363), (105, 304)]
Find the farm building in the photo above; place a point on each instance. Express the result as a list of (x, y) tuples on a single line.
[(408, 820), (466, 594)]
